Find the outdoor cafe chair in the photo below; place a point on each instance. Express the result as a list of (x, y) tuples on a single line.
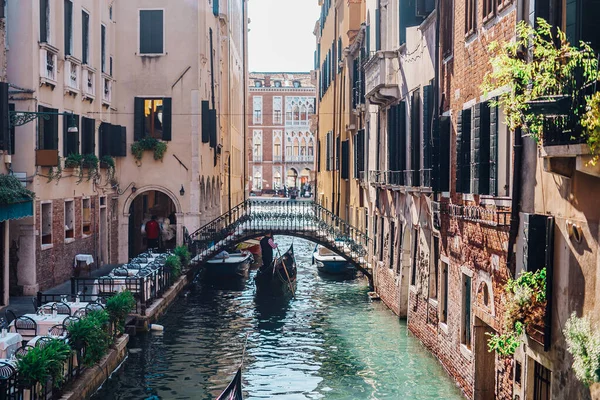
[(94, 307), (120, 271), (10, 316), (43, 341), (61, 308), (35, 304), (8, 375), (58, 330), (21, 351), (26, 326), (70, 320), (82, 312)]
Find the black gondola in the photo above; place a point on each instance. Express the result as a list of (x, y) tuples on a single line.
[(233, 391), (273, 280)]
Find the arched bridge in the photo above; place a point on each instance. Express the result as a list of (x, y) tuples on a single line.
[(304, 219)]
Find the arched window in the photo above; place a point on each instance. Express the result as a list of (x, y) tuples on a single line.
[(276, 178), (311, 147), (296, 111), (288, 112), (257, 146), (277, 147), (303, 113), (296, 147), (311, 109), (257, 179), (303, 147), (288, 147)]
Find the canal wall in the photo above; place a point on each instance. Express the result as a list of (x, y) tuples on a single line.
[(93, 378)]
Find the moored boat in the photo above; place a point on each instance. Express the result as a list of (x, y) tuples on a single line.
[(253, 246), (331, 263), (229, 264), (234, 390), (273, 280)]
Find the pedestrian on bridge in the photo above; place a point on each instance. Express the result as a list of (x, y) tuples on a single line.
[(266, 248)]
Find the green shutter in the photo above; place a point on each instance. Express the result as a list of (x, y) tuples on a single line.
[(68, 26), (459, 150), (392, 139), (85, 37), (401, 141), (445, 141), (138, 119), (345, 159), (151, 32), (4, 117), (43, 21), (484, 149), (104, 139), (415, 142), (123, 142), (88, 140), (427, 124), (493, 166), (54, 127), (475, 147), (377, 29), (466, 151), (205, 125), (167, 120), (212, 127), (215, 8), (11, 107)]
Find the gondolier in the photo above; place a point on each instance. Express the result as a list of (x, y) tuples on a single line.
[(267, 245)]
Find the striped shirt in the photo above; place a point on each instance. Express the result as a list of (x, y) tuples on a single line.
[(272, 243)]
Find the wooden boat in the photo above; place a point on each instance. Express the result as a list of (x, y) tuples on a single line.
[(253, 246), (233, 391), (331, 263), (233, 264), (273, 280)]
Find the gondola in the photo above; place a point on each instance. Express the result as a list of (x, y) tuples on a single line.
[(273, 280), (233, 391), (234, 264), (331, 263)]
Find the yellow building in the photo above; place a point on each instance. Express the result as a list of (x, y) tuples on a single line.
[(339, 126)]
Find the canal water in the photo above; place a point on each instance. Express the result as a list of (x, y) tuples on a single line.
[(330, 342)]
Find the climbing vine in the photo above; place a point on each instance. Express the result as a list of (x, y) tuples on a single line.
[(108, 162), (148, 144), (12, 191)]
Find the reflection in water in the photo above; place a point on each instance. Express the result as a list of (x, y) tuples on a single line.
[(329, 342)]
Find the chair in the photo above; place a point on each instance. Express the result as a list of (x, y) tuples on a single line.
[(94, 307), (26, 326), (35, 304), (46, 309), (61, 308), (10, 316), (8, 376), (58, 330), (120, 271), (70, 320), (131, 284), (43, 341), (21, 351), (82, 312)]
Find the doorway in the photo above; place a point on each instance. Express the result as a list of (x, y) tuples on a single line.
[(485, 363), (103, 237)]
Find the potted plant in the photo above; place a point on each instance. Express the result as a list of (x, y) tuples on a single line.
[(173, 264), (148, 144), (184, 255), (73, 160), (118, 307)]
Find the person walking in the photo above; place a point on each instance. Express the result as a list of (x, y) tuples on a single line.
[(152, 233), (266, 248)]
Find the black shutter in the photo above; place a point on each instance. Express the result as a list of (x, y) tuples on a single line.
[(205, 124), (401, 141), (70, 139), (167, 120), (338, 147), (43, 21), (392, 139), (4, 117), (122, 142), (104, 139), (151, 31), (445, 141), (85, 25), (138, 119), (377, 29), (415, 143), (360, 152), (427, 138), (88, 139), (346, 159), (212, 127), (493, 170), (459, 150), (68, 26), (53, 127), (318, 155), (475, 147), (11, 107), (103, 48)]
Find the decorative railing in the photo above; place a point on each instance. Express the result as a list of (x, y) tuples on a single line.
[(483, 215), (408, 178), (254, 217), (299, 158)]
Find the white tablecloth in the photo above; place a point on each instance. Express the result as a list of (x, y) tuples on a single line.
[(72, 305), (83, 257), (9, 344), (120, 285), (44, 323)]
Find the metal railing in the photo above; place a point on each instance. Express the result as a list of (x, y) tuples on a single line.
[(306, 219), (483, 215), (407, 178)]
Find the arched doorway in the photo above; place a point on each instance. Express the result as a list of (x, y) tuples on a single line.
[(305, 183), (142, 208), (292, 178)]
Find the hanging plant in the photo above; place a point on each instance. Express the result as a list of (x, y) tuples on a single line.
[(525, 306), (545, 76), (108, 162), (73, 161), (591, 123), (584, 345), (91, 162), (55, 173), (148, 144), (12, 191)]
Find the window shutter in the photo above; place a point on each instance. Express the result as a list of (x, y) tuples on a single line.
[(43, 21), (318, 155), (216, 8), (68, 25), (425, 7), (4, 117), (459, 150), (493, 171), (337, 154), (54, 127), (138, 119), (11, 107), (368, 41), (401, 142), (415, 143), (205, 125), (212, 127), (123, 147), (167, 120), (475, 147), (427, 124), (88, 142), (346, 159), (392, 139), (339, 54), (445, 140), (115, 144), (70, 139), (151, 32), (377, 29), (85, 23), (104, 139), (484, 149), (466, 151)]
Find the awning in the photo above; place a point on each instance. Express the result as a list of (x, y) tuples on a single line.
[(16, 210)]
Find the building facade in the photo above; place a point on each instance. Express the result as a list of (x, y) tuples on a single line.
[(281, 143), (128, 131)]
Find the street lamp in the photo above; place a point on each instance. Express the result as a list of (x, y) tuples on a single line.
[(18, 118)]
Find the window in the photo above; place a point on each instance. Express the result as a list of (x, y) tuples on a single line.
[(447, 27), (70, 139), (470, 16), (277, 83), (257, 178), (277, 137), (374, 234), (288, 148), (276, 178), (359, 153), (85, 37), (257, 152), (258, 83), (542, 377), (392, 243), (153, 118), (44, 21), (434, 261), (68, 27), (277, 108), (48, 129), (329, 152), (415, 258), (466, 312), (86, 217), (311, 147), (103, 48), (110, 68), (151, 32), (297, 84), (257, 109), (69, 219), (444, 293), (444, 153), (381, 238), (88, 136), (298, 109), (296, 148), (415, 137), (46, 223), (463, 151), (518, 373)]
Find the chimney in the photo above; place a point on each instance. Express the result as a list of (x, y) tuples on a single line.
[(267, 80)]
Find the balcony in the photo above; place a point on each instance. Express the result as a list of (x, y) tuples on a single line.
[(72, 75), (106, 90), (300, 159), (381, 79), (48, 64), (278, 158), (489, 216), (88, 83), (408, 179)]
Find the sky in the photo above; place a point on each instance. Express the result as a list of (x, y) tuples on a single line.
[(281, 35)]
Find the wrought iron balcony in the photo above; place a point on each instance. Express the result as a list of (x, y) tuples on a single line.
[(490, 216), (302, 159), (401, 179), (381, 78)]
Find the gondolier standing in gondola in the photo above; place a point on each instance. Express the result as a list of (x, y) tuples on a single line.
[(266, 248)]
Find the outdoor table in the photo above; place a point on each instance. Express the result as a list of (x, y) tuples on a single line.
[(73, 305), (33, 341), (118, 285), (9, 344), (44, 323)]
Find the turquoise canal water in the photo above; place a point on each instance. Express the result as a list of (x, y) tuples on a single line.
[(330, 342)]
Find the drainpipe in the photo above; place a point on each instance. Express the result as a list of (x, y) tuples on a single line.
[(436, 100), (5, 261), (245, 97), (516, 200), (335, 149)]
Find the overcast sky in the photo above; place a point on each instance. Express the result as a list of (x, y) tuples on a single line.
[(281, 35)]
